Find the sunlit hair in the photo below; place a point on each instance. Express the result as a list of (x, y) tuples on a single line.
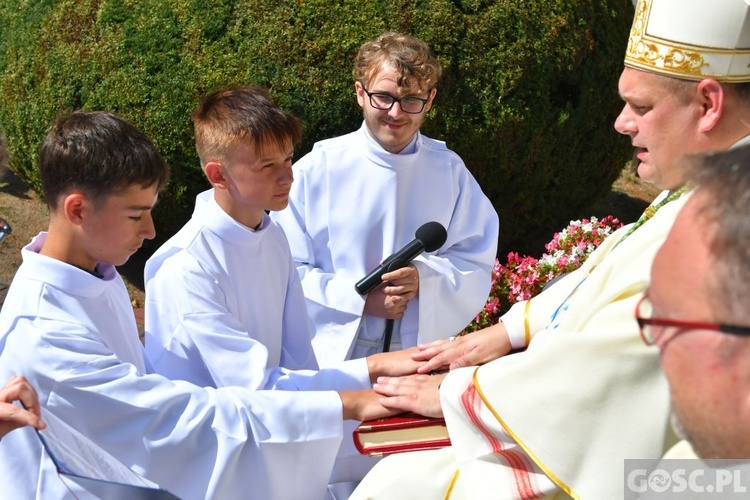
[(99, 154), (725, 178), (411, 58), (235, 117)]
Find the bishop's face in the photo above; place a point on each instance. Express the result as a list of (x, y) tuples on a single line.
[(662, 126)]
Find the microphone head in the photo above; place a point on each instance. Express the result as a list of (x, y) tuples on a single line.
[(432, 235)]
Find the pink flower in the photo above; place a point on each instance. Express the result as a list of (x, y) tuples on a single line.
[(522, 277), (492, 305)]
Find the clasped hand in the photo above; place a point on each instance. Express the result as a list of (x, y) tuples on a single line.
[(390, 298)]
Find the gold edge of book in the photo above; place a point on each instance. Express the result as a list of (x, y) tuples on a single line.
[(401, 436)]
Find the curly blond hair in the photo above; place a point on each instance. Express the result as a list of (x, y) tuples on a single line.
[(412, 59)]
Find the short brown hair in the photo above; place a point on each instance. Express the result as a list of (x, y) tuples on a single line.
[(412, 59), (242, 115), (725, 178), (100, 154)]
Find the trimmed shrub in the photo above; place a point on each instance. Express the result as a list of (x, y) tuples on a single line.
[(528, 97)]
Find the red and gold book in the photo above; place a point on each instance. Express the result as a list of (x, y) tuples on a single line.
[(400, 433)]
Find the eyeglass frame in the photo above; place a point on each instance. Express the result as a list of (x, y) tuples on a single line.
[(683, 325), (397, 100)]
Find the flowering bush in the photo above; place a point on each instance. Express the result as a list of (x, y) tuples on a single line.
[(520, 278)]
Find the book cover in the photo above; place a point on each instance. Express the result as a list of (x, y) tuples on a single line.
[(400, 433), (96, 473)]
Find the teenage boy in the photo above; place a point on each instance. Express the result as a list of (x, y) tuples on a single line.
[(224, 303), (360, 197), (68, 327)]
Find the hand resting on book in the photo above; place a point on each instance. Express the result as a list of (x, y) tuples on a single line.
[(415, 393)]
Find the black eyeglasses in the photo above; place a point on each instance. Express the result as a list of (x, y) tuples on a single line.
[(409, 104), (643, 314)]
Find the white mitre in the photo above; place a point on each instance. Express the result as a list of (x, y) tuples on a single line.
[(692, 39)]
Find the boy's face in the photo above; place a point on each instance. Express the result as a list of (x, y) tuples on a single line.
[(115, 228), (258, 180)]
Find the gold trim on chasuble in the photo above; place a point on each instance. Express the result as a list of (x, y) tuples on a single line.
[(451, 485), (526, 328), (560, 484)]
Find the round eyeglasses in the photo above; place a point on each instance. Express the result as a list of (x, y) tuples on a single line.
[(652, 329), (409, 104)]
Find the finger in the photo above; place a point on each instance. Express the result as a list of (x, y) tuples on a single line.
[(390, 383), (400, 385), (426, 408), (397, 291), (19, 389), (392, 390), (435, 364), (443, 358), (27, 395), (408, 271), (461, 362), (398, 403), (435, 343), (15, 417), (426, 354)]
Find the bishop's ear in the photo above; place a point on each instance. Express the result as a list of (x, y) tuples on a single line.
[(711, 95)]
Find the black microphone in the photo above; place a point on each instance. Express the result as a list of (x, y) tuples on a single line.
[(428, 238)]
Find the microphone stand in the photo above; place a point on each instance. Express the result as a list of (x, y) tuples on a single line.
[(388, 335)]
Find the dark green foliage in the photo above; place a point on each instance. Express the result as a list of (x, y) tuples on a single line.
[(528, 96)]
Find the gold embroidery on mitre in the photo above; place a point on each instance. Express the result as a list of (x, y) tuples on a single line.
[(639, 25), (648, 53)]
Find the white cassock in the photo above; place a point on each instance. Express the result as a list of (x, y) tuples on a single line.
[(74, 337), (352, 205), (224, 307), (560, 417)]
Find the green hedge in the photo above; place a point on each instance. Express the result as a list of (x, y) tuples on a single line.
[(528, 97)]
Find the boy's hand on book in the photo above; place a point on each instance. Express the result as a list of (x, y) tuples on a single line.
[(364, 405), (416, 393), (473, 349), (393, 364)]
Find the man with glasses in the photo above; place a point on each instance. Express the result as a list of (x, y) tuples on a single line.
[(584, 393), (697, 311), (360, 197)]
